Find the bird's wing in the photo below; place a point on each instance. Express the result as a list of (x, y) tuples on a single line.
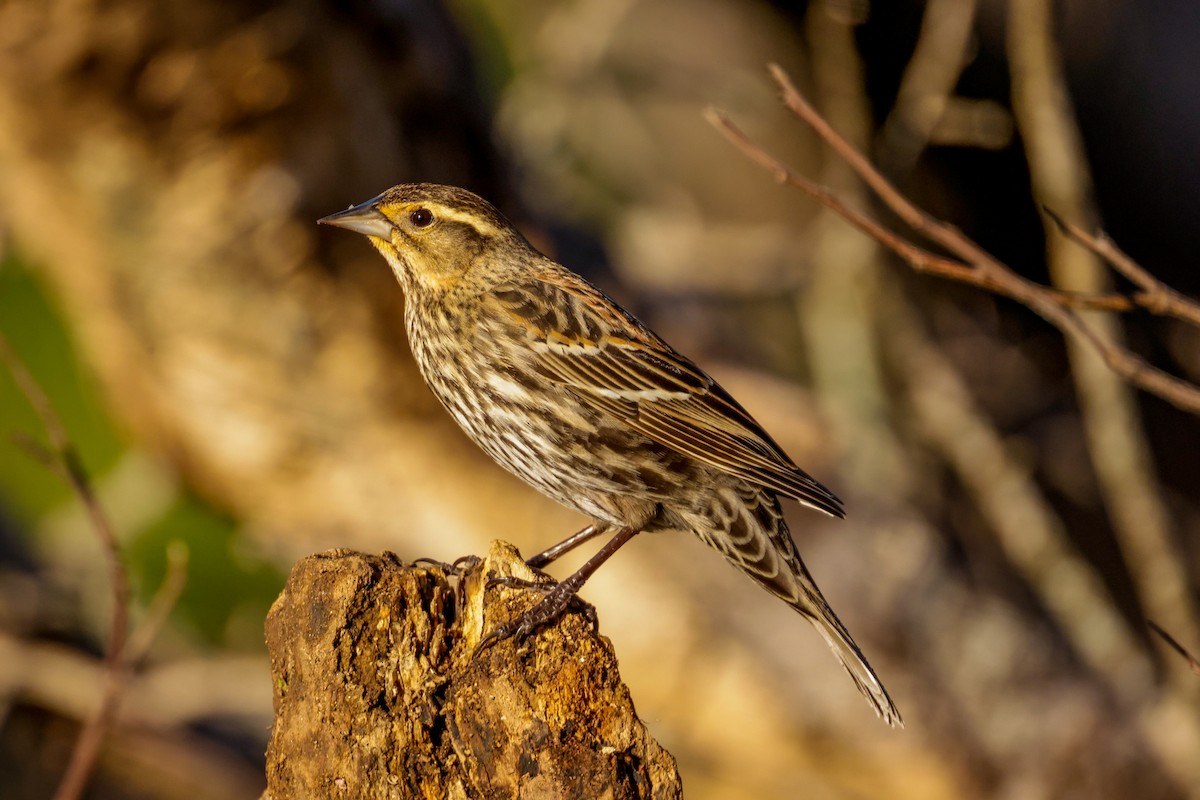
[(583, 340)]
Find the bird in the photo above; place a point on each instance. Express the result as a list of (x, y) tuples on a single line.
[(573, 394)]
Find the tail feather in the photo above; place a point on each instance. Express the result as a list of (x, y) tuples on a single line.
[(749, 530), (844, 647)]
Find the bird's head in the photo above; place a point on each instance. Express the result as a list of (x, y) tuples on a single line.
[(431, 235)]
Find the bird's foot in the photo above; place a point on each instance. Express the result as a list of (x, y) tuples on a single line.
[(558, 599)]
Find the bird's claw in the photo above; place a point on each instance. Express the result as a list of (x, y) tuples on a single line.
[(558, 599), (456, 569), (457, 566)]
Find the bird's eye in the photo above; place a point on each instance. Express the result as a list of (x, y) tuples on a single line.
[(421, 217)]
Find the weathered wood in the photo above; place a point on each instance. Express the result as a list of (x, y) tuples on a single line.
[(379, 694)]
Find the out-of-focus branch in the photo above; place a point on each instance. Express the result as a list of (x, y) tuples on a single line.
[(842, 290), (124, 649), (1115, 434), (977, 267), (925, 93), (69, 683), (161, 605), (1174, 644), (1029, 531), (970, 264), (155, 739), (66, 462)]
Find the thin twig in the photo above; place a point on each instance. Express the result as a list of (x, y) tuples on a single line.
[(161, 605), (1182, 393), (920, 258), (66, 462), (1176, 646), (932, 228), (977, 267), (917, 257), (1156, 297)]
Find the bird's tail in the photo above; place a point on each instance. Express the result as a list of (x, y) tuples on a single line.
[(758, 542), (847, 652)]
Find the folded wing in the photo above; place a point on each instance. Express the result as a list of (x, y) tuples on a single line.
[(608, 360)]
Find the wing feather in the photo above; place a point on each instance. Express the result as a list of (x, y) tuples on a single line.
[(629, 373)]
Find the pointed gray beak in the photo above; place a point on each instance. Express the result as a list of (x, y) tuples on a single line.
[(364, 218)]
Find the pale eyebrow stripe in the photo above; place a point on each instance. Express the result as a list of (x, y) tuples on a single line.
[(478, 223)]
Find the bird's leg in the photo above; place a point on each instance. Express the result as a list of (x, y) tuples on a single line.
[(558, 598), (542, 559), (548, 556), (566, 545)]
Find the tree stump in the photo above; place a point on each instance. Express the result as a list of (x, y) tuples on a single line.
[(379, 693)]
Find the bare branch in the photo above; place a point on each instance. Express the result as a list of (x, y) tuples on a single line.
[(1193, 664), (163, 603), (918, 258), (976, 266), (1155, 297), (1116, 438), (65, 461)]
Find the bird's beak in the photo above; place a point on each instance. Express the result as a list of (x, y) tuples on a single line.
[(364, 218)]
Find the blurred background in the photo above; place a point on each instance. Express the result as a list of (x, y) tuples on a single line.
[(238, 384)]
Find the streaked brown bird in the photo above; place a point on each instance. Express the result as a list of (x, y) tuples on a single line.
[(570, 392)]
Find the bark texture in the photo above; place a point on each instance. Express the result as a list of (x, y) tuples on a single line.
[(379, 694)]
